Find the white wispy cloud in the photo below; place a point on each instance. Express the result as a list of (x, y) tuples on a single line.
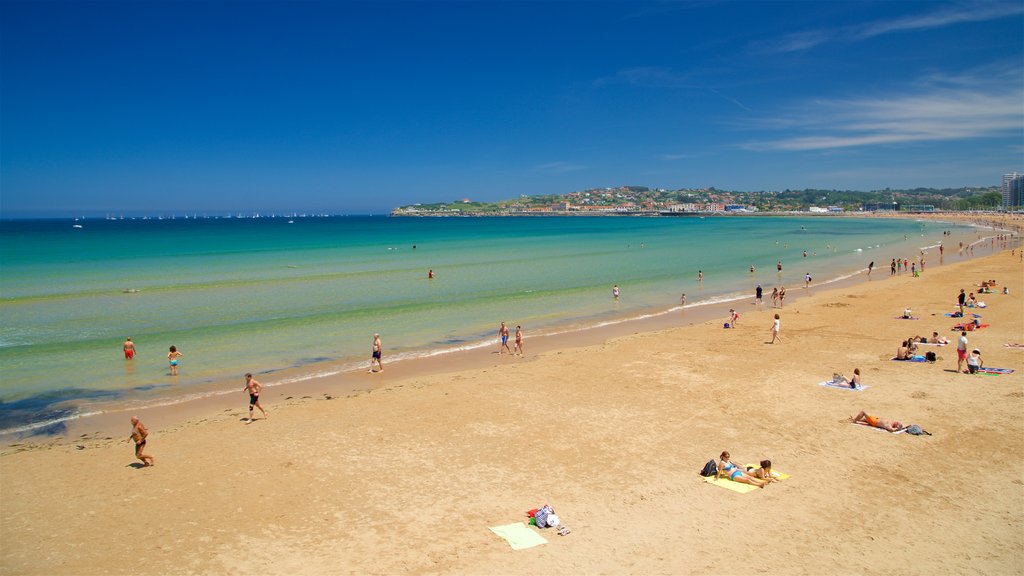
[(946, 16), (937, 108), (557, 168)]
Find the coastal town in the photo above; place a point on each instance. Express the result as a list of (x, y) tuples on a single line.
[(644, 201)]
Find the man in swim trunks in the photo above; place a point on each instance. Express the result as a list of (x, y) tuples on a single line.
[(139, 434), (888, 425), (375, 356), (254, 388), (503, 334), (129, 349)]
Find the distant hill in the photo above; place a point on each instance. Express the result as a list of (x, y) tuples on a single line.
[(641, 199)]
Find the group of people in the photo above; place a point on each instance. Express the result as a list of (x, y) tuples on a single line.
[(503, 335), (759, 477), (173, 355)]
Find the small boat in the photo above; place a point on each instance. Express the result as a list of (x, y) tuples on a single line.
[(77, 226)]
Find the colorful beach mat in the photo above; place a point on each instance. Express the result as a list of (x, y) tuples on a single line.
[(831, 384), (957, 315), (916, 358), (995, 370), (519, 536), (960, 327), (739, 486)]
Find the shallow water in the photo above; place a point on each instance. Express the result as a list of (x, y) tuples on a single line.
[(262, 295)]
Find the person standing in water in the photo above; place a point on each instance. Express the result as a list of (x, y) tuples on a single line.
[(173, 357), (615, 293), (129, 349)]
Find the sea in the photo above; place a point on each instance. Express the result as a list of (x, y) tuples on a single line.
[(303, 296)]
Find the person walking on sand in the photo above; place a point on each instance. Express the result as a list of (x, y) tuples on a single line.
[(961, 351), (775, 331), (139, 434), (503, 334), (375, 357), (807, 280), (961, 300), (173, 357), (758, 292), (519, 341), (775, 297), (129, 349), (254, 388), (782, 296)]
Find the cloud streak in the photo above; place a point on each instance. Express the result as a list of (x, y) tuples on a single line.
[(972, 12), (955, 109)]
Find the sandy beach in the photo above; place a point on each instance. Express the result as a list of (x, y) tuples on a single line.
[(407, 477)]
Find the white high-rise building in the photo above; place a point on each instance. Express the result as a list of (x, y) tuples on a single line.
[(1013, 191)]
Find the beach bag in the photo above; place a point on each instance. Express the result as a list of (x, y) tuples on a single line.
[(917, 430), (930, 356), (710, 469)]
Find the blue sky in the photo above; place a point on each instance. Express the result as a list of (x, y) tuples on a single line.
[(357, 107)]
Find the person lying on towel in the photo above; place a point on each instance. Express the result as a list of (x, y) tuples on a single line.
[(888, 425)]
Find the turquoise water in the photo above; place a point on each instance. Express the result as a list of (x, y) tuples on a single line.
[(261, 295)]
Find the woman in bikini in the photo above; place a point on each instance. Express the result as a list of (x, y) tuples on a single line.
[(737, 473)]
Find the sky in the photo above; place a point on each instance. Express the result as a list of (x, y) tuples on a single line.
[(358, 107)]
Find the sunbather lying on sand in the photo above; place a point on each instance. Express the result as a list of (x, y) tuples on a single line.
[(764, 472), (736, 473), (889, 425)]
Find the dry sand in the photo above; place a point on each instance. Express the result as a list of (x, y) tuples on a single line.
[(407, 478)]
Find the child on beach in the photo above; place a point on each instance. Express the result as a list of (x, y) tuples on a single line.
[(172, 357), (775, 331), (764, 472), (974, 362)]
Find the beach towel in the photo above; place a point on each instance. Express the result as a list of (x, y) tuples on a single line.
[(911, 318), (730, 485), (961, 327), (957, 315), (866, 425), (831, 384), (932, 343), (1014, 345), (915, 358), (988, 370), (519, 536)]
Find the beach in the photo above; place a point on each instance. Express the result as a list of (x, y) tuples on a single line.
[(406, 473)]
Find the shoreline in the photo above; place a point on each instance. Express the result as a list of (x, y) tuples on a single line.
[(605, 431), (347, 379)]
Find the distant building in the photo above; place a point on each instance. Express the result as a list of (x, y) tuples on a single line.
[(882, 207), (1013, 191)]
